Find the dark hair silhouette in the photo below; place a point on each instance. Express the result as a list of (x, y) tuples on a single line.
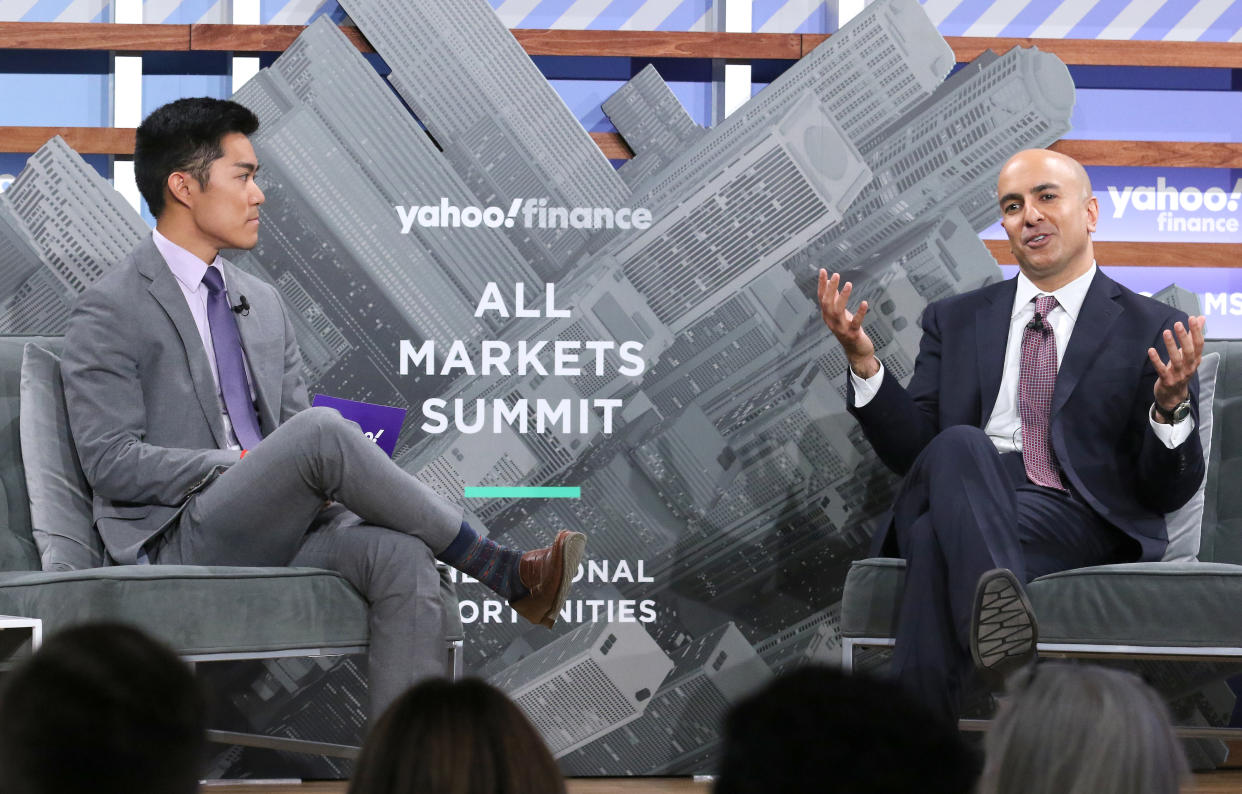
[(101, 708), (818, 729), (455, 738)]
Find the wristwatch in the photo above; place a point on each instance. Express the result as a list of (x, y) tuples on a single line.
[(1180, 412)]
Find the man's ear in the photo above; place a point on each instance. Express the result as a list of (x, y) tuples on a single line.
[(1093, 213), (178, 186)]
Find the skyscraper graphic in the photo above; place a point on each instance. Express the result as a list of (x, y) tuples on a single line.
[(952, 147), (497, 119), (69, 219), (323, 72), (653, 123), (679, 732), (864, 78), (80, 226), (18, 258), (812, 640), (593, 680)]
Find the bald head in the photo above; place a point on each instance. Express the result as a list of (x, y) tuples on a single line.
[(1049, 214), (1048, 159)]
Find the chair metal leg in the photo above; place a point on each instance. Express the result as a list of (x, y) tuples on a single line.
[(456, 661), (847, 655)]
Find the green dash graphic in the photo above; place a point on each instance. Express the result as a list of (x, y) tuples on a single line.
[(524, 492)]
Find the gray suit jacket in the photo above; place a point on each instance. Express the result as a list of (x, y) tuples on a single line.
[(141, 398)]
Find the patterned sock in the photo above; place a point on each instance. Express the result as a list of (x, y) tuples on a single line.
[(492, 564)]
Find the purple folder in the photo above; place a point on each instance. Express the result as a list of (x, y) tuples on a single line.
[(380, 423)]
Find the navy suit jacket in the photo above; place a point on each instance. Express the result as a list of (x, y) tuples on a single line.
[(1099, 423)]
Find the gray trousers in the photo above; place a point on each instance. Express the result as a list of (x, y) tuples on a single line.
[(382, 536)]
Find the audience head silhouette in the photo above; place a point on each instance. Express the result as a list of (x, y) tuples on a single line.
[(817, 729), (104, 709), (1081, 729), (462, 737)]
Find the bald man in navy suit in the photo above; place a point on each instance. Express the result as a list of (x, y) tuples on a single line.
[(1098, 381)]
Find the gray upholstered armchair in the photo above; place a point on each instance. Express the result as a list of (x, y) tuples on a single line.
[(1184, 608), (194, 609)]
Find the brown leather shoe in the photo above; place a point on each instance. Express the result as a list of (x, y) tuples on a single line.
[(547, 573)]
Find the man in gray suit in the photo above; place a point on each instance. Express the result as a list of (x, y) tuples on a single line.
[(191, 419)]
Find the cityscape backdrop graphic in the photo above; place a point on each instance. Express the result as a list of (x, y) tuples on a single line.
[(724, 488)]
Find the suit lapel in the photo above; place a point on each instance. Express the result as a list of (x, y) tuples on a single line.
[(262, 337), (1098, 313), (992, 333), (163, 287)]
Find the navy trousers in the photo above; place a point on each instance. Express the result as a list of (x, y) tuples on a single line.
[(962, 510)]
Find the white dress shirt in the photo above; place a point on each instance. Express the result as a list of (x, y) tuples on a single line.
[(188, 270), (1004, 426)]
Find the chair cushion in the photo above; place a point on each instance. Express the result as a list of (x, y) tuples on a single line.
[(1185, 525), (1152, 604), (1143, 603), (198, 609), (60, 499)]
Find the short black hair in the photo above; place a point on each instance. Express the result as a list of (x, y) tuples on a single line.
[(185, 135), (818, 729), (101, 708)]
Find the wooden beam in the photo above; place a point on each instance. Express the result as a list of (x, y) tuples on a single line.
[(661, 44), (613, 145), (1170, 154), (618, 43), (93, 36), (259, 38), (1104, 52), (83, 140), (1146, 254)]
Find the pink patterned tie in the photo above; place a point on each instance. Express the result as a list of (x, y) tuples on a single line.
[(1037, 376)]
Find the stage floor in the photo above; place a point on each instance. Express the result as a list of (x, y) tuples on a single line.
[(1227, 781)]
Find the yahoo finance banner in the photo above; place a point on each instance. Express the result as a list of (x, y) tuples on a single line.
[(1169, 205)]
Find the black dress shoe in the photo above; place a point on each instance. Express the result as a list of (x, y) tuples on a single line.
[(1003, 631)]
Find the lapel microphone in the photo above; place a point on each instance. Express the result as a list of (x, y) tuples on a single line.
[(1036, 323), (243, 307)]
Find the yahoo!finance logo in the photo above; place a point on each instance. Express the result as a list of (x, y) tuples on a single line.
[(1171, 211)]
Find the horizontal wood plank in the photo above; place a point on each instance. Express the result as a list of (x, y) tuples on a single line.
[(612, 145), (1147, 254), (1102, 52), (661, 44), (83, 140), (1166, 154), (259, 38), (93, 36)]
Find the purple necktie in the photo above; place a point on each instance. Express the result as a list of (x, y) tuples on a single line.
[(1037, 377), (227, 342)]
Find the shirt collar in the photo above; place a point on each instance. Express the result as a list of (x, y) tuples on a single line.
[(1069, 297), (187, 267)]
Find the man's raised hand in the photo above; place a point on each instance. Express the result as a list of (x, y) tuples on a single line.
[(1185, 348), (845, 325)]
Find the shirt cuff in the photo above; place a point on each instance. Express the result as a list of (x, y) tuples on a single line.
[(1171, 436), (865, 388)]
